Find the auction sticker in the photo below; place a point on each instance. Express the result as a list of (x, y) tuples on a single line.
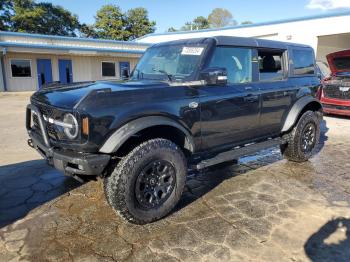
[(192, 50)]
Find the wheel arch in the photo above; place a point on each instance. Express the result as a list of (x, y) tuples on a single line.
[(153, 126), (302, 105)]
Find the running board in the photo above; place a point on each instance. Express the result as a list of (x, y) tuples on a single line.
[(238, 152)]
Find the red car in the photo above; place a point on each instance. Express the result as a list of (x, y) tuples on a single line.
[(335, 94)]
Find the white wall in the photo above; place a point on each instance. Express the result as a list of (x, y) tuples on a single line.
[(85, 68)]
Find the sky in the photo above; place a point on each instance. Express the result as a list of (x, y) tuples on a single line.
[(175, 13)]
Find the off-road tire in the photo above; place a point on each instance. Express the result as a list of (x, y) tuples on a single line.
[(120, 185), (292, 149)]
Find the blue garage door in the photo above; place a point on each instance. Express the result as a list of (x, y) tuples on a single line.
[(124, 70), (44, 70), (65, 71)]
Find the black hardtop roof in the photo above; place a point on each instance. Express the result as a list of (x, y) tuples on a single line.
[(235, 41)]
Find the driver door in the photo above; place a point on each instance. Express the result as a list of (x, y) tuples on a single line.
[(230, 113)]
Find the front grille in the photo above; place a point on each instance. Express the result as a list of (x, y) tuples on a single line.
[(336, 107), (335, 92), (54, 132)]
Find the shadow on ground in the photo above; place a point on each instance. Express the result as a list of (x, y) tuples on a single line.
[(26, 185), (331, 242)]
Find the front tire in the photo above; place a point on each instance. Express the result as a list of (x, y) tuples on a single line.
[(303, 139), (148, 182)]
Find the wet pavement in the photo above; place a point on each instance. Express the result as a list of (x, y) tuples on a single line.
[(263, 209)]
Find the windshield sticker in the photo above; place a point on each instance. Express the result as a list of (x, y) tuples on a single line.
[(192, 50)]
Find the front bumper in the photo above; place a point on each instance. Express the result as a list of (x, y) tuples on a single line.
[(335, 106), (68, 161)]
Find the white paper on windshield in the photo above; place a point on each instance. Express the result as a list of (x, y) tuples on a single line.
[(192, 50)]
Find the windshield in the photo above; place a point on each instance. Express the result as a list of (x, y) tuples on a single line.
[(171, 62), (342, 63)]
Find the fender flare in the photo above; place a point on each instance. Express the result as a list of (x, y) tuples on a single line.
[(117, 139), (298, 106)]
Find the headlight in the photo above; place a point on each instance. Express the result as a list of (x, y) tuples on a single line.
[(71, 128)]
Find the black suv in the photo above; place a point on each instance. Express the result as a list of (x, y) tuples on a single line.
[(188, 104)]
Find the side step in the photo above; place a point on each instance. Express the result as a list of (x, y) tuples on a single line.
[(238, 152)]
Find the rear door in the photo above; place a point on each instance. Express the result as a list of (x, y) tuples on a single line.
[(230, 113), (276, 90)]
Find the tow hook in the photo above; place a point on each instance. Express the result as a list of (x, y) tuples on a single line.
[(30, 143)]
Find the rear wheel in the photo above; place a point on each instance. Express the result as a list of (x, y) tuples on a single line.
[(148, 182), (303, 139)]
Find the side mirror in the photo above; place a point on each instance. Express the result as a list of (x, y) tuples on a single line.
[(125, 74), (214, 76)]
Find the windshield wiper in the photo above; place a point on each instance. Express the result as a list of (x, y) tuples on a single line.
[(169, 76)]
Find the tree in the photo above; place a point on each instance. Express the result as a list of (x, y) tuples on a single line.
[(200, 22), (138, 24), (88, 31), (171, 29), (42, 18), (6, 8), (110, 23), (220, 17), (246, 23)]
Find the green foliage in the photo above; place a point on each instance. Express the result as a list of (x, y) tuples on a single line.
[(220, 17), (43, 18), (171, 29), (201, 22), (6, 8), (198, 23), (110, 23), (138, 23)]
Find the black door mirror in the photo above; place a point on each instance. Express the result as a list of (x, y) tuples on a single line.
[(214, 76)]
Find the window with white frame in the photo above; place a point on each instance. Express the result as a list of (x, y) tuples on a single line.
[(108, 69), (21, 68)]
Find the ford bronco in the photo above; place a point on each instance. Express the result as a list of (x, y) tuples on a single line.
[(188, 104)]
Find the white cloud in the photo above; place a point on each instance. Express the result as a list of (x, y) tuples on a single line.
[(328, 4)]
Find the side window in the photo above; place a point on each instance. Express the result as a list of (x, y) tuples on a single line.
[(237, 61), (108, 69), (21, 68), (303, 62), (270, 65)]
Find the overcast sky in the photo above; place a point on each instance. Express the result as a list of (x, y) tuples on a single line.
[(174, 13)]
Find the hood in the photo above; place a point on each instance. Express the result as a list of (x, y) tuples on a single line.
[(68, 97), (339, 63)]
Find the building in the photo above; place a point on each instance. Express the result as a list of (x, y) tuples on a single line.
[(325, 33), (28, 61)]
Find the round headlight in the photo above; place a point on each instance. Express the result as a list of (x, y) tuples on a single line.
[(71, 129)]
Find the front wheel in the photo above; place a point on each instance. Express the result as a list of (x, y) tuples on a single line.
[(303, 139), (148, 182)]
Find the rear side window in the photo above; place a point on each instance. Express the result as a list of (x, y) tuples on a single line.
[(237, 61), (303, 62), (270, 65)]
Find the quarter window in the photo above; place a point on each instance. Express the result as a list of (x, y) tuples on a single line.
[(303, 62), (237, 61), (270, 65), (21, 68), (108, 69)]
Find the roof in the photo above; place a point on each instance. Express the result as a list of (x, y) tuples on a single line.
[(69, 38), (281, 21), (235, 41), (69, 44)]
